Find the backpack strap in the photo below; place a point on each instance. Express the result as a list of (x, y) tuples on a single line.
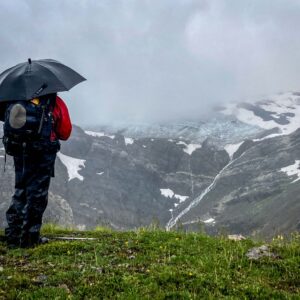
[(43, 115), (47, 105)]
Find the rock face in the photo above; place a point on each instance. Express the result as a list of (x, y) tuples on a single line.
[(59, 211), (237, 175), (122, 184), (252, 194)]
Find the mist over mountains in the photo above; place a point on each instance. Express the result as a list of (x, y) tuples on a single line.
[(157, 60)]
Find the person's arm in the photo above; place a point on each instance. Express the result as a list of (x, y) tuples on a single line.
[(63, 126), (2, 111)]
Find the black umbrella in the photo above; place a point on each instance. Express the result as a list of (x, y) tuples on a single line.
[(36, 78)]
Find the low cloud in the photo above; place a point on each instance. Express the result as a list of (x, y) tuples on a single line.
[(157, 60)]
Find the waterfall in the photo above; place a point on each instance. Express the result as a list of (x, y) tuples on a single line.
[(197, 200)]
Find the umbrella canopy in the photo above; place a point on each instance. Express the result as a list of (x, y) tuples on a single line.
[(36, 78)]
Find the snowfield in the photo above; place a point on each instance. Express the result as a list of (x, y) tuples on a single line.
[(99, 134), (168, 193), (292, 170), (232, 148), (128, 141), (210, 220), (189, 148), (73, 165), (281, 111)]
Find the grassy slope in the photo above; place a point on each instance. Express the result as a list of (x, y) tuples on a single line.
[(149, 264)]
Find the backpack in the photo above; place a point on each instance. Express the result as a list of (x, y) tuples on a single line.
[(28, 124)]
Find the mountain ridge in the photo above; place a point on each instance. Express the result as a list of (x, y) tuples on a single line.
[(124, 181)]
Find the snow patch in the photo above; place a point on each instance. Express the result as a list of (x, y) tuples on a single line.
[(189, 148), (292, 170), (73, 165), (181, 198), (270, 136), (232, 148), (210, 220), (128, 141), (98, 134), (168, 193)]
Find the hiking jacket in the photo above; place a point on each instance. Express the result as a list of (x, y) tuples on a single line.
[(62, 122)]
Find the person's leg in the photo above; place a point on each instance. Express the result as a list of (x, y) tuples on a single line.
[(39, 171), (14, 214)]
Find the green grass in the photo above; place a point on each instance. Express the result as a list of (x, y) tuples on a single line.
[(148, 264)]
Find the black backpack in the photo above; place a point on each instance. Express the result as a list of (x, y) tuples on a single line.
[(28, 125)]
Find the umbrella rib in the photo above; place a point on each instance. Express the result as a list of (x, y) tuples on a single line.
[(79, 78), (5, 73), (55, 75), (21, 78)]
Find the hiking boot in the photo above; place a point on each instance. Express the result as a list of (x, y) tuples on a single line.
[(30, 244)]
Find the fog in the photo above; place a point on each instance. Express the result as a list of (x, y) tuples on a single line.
[(157, 60)]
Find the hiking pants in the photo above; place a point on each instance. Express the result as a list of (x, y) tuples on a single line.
[(33, 172)]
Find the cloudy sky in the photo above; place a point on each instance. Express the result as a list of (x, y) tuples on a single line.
[(157, 60)]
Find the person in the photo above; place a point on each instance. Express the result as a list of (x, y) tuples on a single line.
[(34, 168)]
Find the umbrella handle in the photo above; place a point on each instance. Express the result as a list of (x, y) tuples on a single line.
[(43, 86)]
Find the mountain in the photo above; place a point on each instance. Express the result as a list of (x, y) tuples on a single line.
[(235, 171)]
